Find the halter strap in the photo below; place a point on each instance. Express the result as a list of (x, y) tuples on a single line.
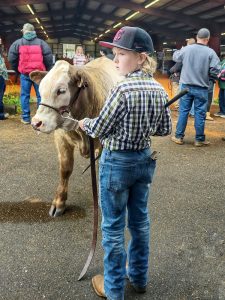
[(67, 109)]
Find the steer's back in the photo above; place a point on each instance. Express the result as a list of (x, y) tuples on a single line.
[(104, 77)]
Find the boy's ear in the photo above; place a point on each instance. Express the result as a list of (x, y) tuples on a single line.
[(142, 57)]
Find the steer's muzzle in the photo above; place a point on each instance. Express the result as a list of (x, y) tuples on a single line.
[(36, 124)]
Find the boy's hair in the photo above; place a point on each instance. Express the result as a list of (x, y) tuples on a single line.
[(149, 66)]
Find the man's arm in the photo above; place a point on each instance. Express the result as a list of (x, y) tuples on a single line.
[(178, 55), (215, 61), (47, 55), (176, 68), (13, 56)]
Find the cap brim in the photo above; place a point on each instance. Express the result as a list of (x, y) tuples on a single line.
[(111, 45)]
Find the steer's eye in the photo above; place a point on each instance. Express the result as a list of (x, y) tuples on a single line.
[(61, 91)]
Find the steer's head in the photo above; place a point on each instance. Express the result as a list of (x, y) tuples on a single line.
[(58, 89)]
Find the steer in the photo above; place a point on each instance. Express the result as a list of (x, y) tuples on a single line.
[(83, 91)]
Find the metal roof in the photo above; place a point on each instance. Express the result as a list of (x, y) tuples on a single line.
[(89, 19)]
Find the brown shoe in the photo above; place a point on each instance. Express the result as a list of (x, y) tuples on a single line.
[(98, 285), (201, 143), (138, 289), (223, 138), (208, 117), (178, 141)]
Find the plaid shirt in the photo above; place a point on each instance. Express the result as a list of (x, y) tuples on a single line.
[(133, 112)]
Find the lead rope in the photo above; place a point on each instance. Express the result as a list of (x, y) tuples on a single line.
[(95, 200)]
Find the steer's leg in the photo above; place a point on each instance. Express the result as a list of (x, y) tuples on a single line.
[(66, 160)]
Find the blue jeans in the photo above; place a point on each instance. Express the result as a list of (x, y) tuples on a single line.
[(222, 101), (209, 102), (2, 91), (26, 84), (192, 111), (124, 185), (199, 96)]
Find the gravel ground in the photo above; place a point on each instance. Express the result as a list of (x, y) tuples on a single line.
[(41, 257)]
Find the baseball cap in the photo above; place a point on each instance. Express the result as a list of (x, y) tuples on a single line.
[(28, 27), (203, 33), (131, 38)]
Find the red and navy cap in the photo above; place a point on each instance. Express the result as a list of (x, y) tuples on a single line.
[(131, 38)]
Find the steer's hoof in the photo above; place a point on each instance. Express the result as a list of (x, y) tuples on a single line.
[(56, 212)]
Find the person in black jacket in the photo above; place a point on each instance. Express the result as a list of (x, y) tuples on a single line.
[(3, 77), (25, 55), (107, 53)]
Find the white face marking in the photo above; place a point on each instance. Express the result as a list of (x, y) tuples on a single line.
[(54, 91)]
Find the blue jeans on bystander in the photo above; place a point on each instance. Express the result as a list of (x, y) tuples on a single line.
[(124, 185), (2, 91), (26, 84), (222, 101), (199, 96)]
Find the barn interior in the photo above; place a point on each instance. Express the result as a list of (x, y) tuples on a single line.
[(41, 256), (64, 25)]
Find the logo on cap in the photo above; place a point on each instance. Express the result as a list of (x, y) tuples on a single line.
[(118, 35)]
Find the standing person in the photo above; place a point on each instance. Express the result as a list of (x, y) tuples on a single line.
[(175, 78), (26, 55), (3, 77), (175, 74), (89, 57), (197, 61), (107, 53), (133, 112), (210, 97), (221, 113), (160, 58), (79, 58)]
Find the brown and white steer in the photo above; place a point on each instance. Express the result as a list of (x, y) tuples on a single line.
[(84, 90)]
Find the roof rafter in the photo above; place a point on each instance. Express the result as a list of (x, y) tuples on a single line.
[(163, 13), (73, 17), (64, 12), (25, 2)]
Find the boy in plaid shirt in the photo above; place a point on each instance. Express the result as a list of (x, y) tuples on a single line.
[(133, 112)]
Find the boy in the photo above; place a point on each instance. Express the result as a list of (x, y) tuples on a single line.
[(133, 112)]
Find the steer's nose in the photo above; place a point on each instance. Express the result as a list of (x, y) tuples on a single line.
[(36, 123)]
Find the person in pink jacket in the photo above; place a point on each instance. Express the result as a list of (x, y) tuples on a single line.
[(25, 55)]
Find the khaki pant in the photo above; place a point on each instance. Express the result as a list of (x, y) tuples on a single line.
[(175, 91)]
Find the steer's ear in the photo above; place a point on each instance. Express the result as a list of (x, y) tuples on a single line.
[(37, 76), (79, 77)]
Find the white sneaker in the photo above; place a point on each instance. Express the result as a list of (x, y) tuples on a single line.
[(218, 114), (25, 122)]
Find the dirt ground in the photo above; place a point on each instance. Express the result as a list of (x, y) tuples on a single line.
[(41, 257)]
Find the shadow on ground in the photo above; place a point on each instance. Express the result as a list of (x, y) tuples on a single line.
[(35, 211)]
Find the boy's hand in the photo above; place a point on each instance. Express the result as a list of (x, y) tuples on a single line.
[(81, 124)]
